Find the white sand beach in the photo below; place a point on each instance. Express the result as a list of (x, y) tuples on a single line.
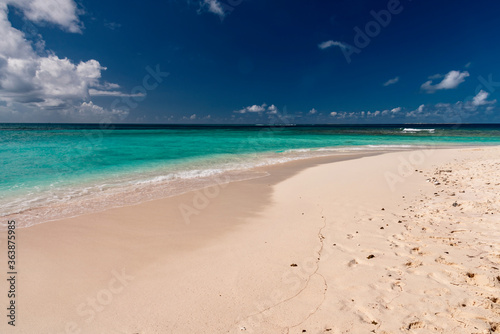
[(403, 242)]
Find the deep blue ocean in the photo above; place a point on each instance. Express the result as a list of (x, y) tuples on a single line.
[(47, 166)]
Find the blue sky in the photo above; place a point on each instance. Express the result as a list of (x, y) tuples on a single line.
[(250, 61)]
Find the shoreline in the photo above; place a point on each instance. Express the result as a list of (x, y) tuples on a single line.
[(156, 192), (144, 269), (94, 203)]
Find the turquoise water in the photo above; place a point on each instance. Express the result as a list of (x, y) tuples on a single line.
[(46, 165)]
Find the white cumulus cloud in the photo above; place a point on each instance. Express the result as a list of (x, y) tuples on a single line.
[(272, 109), (97, 92), (258, 109), (481, 99), (330, 43), (62, 13), (39, 80), (450, 81), (214, 7), (391, 81), (252, 109), (455, 112)]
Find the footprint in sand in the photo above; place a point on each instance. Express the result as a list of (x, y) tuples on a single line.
[(394, 271), (413, 263), (416, 251), (480, 280), (414, 325), (442, 260), (398, 286), (352, 263)]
